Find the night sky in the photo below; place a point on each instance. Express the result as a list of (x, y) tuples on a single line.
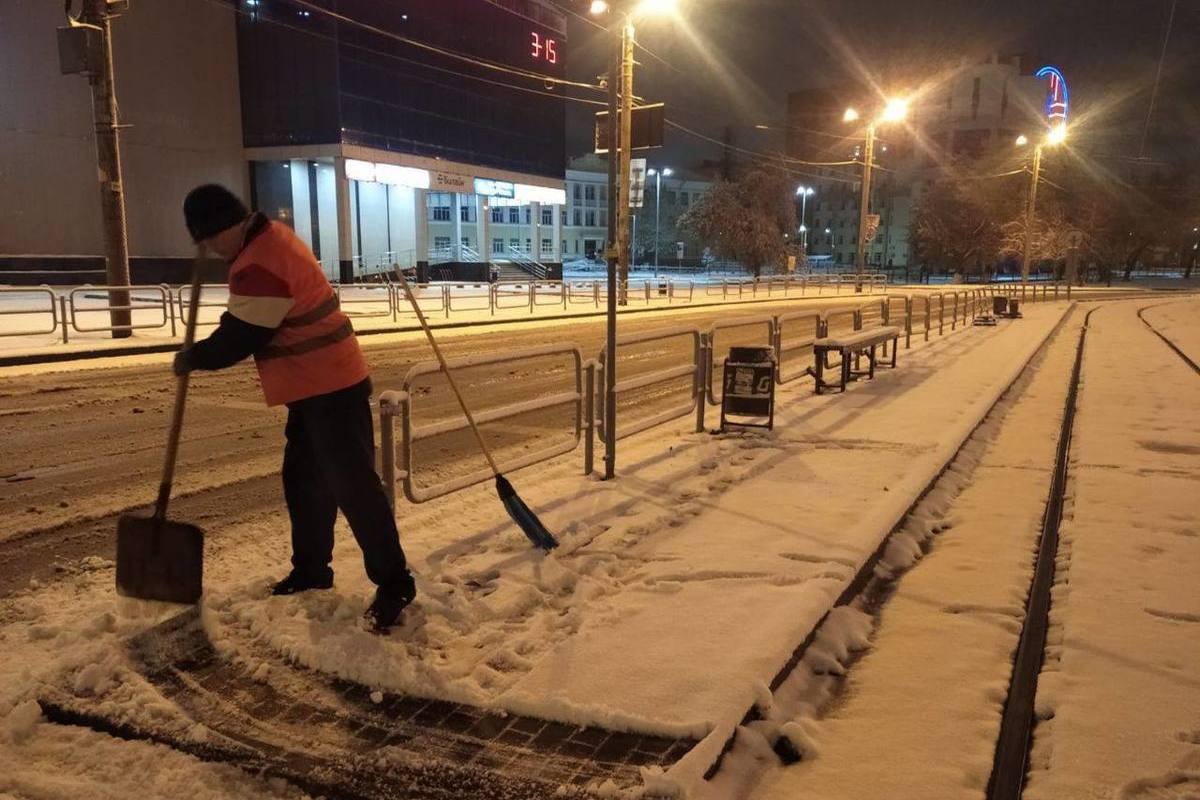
[(734, 61)]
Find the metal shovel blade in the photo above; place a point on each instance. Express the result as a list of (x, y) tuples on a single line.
[(158, 559)]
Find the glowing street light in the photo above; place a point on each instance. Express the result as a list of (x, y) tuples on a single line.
[(598, 7), (850, 116), (1022, 140), (895, 110), (1057, 135), (804, 192)]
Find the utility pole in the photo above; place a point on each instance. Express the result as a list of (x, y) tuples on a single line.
[(610, 348), (1030, 207), (626, 151), (860, 252), (108, 159)]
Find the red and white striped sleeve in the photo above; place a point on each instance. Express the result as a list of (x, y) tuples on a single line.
[(259, 296)]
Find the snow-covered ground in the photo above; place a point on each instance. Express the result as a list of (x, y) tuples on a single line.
[(1119, 696), (662, 610), (682, 588), (929, 687)]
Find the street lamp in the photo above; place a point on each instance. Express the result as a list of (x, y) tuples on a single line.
[(658, 176), (1055, 136), (894, 110), (803, 192)]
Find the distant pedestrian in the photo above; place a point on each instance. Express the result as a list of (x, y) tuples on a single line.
[(283, 312)]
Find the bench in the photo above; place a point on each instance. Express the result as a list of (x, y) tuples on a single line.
[(852, 346)]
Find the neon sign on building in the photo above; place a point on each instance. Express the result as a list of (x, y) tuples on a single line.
[(1058, 99)]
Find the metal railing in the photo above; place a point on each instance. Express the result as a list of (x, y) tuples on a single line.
[(161, 303), (402, 403), (659, 377), (360, 294), (50, 308), (808, 323), (186, 291)]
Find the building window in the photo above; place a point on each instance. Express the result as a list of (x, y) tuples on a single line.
[(669, 197), (603, 194), (466, 242), (439, 206), (577, 217), (514, 244), (683, 199), (591, 218), (440, 213), (498, 214), (497, 246), (564, 246), (547, 246), (576, 247), (441, 242), (514, 215), (528, 246), (589, 193), (547, 216), (576, 192), (604, 218)]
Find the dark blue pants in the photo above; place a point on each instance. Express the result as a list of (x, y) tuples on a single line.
[(329, 464)]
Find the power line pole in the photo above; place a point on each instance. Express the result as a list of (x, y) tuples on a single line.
[(1030, 206), (626, 156), (108, 160), (610, 348), (860, 251)]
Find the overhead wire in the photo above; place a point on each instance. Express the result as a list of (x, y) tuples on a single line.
[(384, 54), (756, 153), (473, 60)]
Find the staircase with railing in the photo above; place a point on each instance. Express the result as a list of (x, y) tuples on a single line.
[(523, 260)]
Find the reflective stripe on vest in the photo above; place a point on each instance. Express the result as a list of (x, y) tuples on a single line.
[(315, 314)]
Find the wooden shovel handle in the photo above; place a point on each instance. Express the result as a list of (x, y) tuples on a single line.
[(189, 338)]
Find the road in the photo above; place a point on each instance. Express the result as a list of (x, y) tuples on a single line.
[(84, 444)]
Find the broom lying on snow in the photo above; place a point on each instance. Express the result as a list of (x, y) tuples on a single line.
[(521, 514)]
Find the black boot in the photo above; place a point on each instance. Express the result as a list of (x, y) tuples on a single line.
[(302, 582), (388, 605)]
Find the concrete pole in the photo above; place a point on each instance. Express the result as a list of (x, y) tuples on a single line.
[(482, 213), (420, 226), (610, 347), (860, 253), (535, 217), (345, 245), (108, 162), (558, 242), (626, 156), (456, 210), (1030, 211)]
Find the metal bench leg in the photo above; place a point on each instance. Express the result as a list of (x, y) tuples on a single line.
[(845, 370), (820, 370), (895, 351), (871, 363)]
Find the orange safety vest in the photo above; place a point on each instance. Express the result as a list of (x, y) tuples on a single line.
[(276, 282)]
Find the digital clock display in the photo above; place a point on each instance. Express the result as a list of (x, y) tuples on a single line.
[(543, 48)]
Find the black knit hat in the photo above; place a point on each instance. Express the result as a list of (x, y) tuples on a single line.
[(210, 209)]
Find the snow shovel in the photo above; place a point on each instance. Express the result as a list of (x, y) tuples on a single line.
[(521, 514), (158, 559)]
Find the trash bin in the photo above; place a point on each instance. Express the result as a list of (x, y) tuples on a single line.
[(1014, 308), (663, 288), (748, 388), (999, 306)]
